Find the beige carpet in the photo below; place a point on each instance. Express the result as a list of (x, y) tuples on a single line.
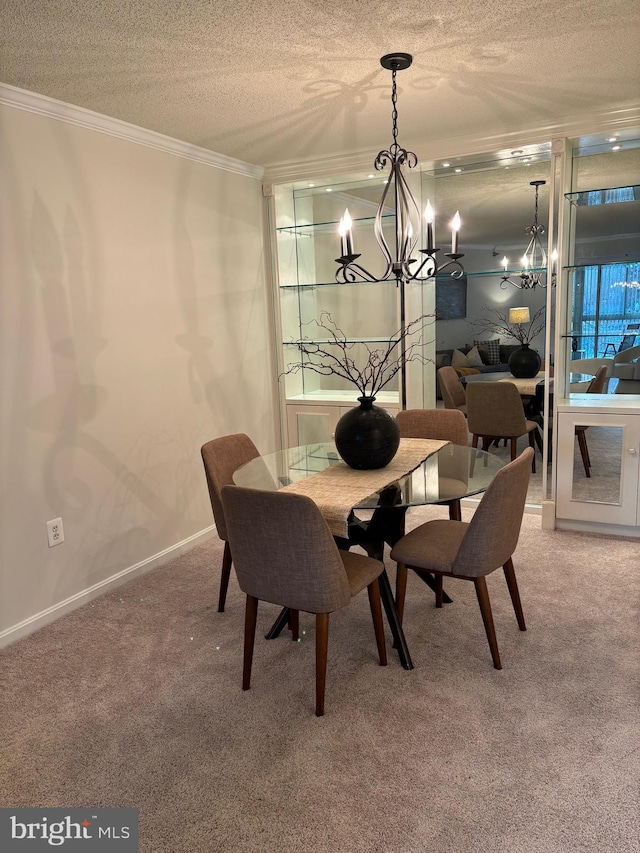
[(135, 700)]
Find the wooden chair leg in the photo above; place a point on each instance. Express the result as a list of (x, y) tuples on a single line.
[(376, 614), (438, 581), (250, 618), (512, 584), (322, 645), (294, 624), (584, 451), (455, 512), (485, 608), (474, 441), (401, 589), (514, 448), (224, 577)]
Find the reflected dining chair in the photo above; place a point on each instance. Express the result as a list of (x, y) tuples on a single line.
[(452, 390), (597, 385), (495, 411), (472, 550), (284, 553), (221, 457), (440, 424)]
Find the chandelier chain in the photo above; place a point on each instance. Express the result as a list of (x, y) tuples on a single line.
[(394, 111)]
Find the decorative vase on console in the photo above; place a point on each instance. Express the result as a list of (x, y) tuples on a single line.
[(525, 362), (367, 436)]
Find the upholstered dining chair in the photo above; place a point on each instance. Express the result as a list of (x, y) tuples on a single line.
[(452, 390), (284, 553), (597, 386), (440, 424), (494, 411), (472, 550), (221, 457)]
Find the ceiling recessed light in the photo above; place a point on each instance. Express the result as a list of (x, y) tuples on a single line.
[(615, 147), (329, 189), (446, 165), (612, 139), (371, 176), (311, 185), (458, 169), (525, 160), (516, 153)]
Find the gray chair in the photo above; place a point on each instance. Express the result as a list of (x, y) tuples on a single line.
[(452, 390), (284, 553), (472, 550), (440, 424), (221, 457), (596, 386), (495, 411)]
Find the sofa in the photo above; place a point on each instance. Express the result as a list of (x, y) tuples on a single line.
[(493, 358)]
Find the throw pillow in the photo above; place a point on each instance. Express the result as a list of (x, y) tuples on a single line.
[(474, 359), (458, 359), (468, 359), (490, 349)]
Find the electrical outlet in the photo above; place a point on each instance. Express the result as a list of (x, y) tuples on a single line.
[(55, 532)]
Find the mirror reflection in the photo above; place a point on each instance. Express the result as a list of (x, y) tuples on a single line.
[(597, 464)]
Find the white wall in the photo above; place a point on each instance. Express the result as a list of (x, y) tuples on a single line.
[(135, 325)]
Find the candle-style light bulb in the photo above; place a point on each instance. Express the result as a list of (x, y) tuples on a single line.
[(429, 220), (346, 237), (505, 263), (554, 258), (455, 227), (525, 261)]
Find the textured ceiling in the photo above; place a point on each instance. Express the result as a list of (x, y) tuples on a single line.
[(281, 81)]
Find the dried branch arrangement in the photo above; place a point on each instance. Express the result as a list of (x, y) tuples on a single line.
[(499, 324), (366, 367)]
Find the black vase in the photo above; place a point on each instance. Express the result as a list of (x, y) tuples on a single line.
[(367, 437), (524, 363)]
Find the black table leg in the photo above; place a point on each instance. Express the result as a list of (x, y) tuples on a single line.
[(281, 622), (429, 579), (399, 641)]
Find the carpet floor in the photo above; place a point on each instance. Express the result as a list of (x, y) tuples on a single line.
[(135, 700)]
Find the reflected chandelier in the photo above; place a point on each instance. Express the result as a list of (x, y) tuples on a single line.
[(534, 259)]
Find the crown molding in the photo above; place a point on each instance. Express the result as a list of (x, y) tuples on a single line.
[(51, 108), (618, 119)]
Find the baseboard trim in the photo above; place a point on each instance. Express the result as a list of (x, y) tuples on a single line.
[(45, 617)]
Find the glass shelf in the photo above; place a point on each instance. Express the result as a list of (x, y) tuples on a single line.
[(312, 228), (595, 263), (331, 342), (306, 285), (606, 195)]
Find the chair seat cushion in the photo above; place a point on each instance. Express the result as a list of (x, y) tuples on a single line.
[(432, 546), (361, 570)]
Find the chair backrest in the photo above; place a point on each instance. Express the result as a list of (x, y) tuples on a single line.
[(493, 531), (627, 355), (221, 457), (283, 550), (598, 384), (453, 394), (495, 408), (443, 424)]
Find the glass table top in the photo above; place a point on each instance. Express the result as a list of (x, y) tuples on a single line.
[(454, 471)]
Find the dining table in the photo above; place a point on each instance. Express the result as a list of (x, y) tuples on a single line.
[(368, 508)]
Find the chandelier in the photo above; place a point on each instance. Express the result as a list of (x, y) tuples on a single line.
[(399, 261), (534, 259)]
